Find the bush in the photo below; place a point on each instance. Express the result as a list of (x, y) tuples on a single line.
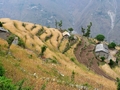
[(21, 43), (10, 39), (43, 49), (112, 45), (112, 63), (1, 25), (6, 84), (100, 37), (118, 84), (102, 58), (2, 70)]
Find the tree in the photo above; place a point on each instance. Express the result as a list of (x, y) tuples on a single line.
[(83, 30), (70, 30), (112, 45), (1, 25), (87, 33), (60, 24), (100, 37)]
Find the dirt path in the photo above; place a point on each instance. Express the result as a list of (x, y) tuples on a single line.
[(84, 54)]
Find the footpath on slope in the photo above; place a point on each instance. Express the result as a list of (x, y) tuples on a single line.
[(84, 54)]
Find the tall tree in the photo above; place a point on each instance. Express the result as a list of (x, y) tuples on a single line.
[(87, 33)]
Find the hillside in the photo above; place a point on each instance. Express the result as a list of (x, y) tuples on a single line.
[(55, 70)]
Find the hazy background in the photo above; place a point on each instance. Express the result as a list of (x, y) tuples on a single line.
[(104, 14)]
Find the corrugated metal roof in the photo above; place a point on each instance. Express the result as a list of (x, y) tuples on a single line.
[(101, 47)]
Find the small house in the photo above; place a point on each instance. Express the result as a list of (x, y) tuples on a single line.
[(66, 34), (4, 33), (102, 50)]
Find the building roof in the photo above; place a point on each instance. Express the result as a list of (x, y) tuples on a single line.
[(66, 33), (101, 47), (3, 30)]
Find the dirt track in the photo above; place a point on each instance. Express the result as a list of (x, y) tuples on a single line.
[(84, 54)]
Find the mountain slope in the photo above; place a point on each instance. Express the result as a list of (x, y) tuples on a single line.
[(55, 68)]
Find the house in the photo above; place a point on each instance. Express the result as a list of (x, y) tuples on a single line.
[(4, 33), (102, 50), (66, 34)]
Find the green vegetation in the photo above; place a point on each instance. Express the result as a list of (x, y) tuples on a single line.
[(2, 70), (102, 58), (21, 42), (6, 84), (72, 76), (100, 37), (1, 25), (60, 24), (48, 37), (43, 49), (23, 24), (9, 41), (86, 33), (118, 84), (40, 32), (112, 45), (33, 27), (70, 30), (112, 63)]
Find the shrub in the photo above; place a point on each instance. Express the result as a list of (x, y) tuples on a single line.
[(72, 59), (43, 49), (40, 32), (21, 42), (112, 45), (102, 58), (73, 76), (118, 84), (10, 39), (112, 63), (2, 70), (6, 84), (1, 25)]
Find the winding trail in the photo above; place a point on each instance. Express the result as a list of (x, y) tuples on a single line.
[(84, 54)]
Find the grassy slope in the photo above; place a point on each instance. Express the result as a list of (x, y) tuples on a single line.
[(26, 63)]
